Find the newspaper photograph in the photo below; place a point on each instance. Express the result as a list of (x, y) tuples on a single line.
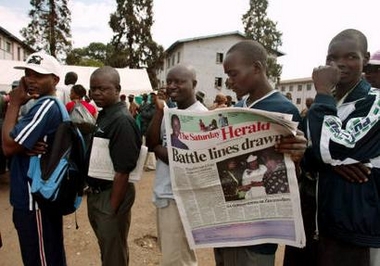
[(231, 187)]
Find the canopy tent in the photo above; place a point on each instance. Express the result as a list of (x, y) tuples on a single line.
[(132, 81)]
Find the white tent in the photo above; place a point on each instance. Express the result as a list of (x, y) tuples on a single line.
[(133, 81)]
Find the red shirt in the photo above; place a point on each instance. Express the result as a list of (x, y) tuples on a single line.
[(89, 107)]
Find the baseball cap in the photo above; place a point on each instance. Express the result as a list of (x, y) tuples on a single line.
[(375, 58), (42, 63), (251, 158)]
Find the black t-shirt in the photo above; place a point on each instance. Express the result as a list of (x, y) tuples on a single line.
[(116, 124)]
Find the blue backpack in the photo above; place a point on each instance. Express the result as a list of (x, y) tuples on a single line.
[(57, 177)]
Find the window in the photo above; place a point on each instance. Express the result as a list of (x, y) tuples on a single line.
[(219, 58), (173, 60), (291, 88), (282, 88), (298, 101), (299, 87), (19, 53), (8, 47), (218, 83), (168, 62), (178, 57), (308, 87)]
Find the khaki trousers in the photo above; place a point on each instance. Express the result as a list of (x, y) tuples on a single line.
[(172, 239), (111, 229)]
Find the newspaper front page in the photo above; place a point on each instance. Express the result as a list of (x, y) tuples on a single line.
[(231, 187)]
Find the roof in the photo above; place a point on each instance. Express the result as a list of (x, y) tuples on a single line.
[(213, 36), (132, 81), (297, 80), (15, 39)]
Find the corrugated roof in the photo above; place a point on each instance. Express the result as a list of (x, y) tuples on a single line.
[(15, 39), (205, 37)]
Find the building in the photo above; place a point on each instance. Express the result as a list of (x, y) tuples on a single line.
[(12, 48), (206, 54), (299, 89)]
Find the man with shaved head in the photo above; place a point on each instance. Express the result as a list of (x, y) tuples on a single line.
[(246, 66), (110, 199), (181, 81), (71, 79)]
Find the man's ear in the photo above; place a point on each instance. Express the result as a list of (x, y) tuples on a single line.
[(195, 83), (367, 55), (56, 80), (258, 66)]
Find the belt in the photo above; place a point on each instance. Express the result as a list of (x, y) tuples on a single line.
[(98, 189)]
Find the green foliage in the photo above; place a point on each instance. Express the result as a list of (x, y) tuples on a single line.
[(75, 56), (259, 27), (93, 55), (49, 28), (97, 51), (91, 62), (132, 42)]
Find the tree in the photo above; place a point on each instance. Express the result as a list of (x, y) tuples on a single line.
[(260, 28), (49, 29), (75, 56), (133, 45), (98, 51), (95, 54)]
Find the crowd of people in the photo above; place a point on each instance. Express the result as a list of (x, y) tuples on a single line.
[(336, 154)]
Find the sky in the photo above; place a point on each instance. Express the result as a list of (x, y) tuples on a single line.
[(307, 26)]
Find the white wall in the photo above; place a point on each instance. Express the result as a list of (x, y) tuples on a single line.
[(201, 54)]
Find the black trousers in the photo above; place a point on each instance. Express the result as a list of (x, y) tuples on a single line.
[(40, 236)]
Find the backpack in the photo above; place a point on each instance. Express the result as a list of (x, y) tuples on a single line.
[(82, 118), (57, 177)]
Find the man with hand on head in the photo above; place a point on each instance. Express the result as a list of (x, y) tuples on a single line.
[(372, 75), (344, 128), (39, 228), (181, 81)]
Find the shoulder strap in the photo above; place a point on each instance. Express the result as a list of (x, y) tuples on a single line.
[(62, 107)]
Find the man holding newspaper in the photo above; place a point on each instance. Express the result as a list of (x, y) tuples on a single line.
[(195, 171), (245, 65), (181, 82)]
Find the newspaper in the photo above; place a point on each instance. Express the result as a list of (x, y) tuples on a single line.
[(221, 202), (101, 166)]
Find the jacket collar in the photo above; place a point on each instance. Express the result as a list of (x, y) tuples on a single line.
[(359, 92)]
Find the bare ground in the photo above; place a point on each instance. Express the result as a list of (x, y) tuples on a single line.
[(81, 244)]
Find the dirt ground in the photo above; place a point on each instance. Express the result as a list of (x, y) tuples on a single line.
[(81, 244)]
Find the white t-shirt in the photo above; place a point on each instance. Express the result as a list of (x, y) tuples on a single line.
[(63, 93), (162, 190)]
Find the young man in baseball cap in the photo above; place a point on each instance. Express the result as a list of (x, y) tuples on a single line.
[(39, 228), (372, 70)]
